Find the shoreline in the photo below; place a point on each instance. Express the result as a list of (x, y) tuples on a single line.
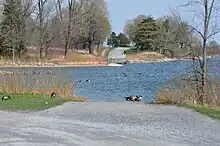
[(105, 64), (166, 60), (53, 66)]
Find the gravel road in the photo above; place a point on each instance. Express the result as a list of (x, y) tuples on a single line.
[(109, 123)]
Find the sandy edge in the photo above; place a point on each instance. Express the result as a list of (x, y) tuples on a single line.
[(94, 65), (50, 66), (80, 65)]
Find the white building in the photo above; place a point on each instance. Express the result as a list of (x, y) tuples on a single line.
[(117, 55)]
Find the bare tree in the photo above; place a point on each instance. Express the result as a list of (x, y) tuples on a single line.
[(95, 22), (206, 14), (74, 8), (27, 9), (45, 8)]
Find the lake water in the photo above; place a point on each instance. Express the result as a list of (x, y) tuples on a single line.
[(114, 83)]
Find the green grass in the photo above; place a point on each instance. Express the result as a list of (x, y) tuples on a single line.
[(208, 111), (30, 102)]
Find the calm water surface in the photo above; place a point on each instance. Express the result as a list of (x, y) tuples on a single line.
[(114, 83)]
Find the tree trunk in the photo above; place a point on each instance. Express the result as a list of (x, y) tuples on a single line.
[(40, 7), (90, 47), (66, 49), (41, 52), (46, 51)]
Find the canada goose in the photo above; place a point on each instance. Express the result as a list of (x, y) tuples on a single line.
[(6, 97), (138, 98), (130, 98), (53, 95)]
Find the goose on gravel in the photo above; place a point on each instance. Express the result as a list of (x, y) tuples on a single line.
[(134, 98), (130, 98), (138, 98)]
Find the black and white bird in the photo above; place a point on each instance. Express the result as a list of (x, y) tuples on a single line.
[(130, 98), (138, 98), (133, 98), (6, 97), (53, 95)]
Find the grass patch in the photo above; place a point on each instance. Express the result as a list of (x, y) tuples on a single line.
[(31, 102), (208, 111)]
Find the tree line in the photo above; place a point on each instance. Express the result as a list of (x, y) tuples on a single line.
[(69, 24), (167, 35)]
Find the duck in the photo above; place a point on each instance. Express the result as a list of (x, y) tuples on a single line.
[(87, 80), (130, 98), (124, 74), (53, 95), (6, 97), (138, 98)]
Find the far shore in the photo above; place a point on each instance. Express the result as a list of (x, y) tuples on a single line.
[(51, 66), (45, 65)]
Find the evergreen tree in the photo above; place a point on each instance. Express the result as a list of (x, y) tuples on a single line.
[(113, 40), (10, 29), (146, 35), (123, 40)]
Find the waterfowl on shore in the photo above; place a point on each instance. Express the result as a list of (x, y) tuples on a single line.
[(53, 95), (138, 98), (133, 98), (130, 98), (6, 97)]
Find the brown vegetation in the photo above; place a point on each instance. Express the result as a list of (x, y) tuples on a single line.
[(145, 56), (186, 93), (34, 84), (55, 58)]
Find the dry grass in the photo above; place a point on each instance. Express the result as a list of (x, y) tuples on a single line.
[(38, 85), (186, 94), (145, 56), (83, 58), (56, 57), (72, 59)]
